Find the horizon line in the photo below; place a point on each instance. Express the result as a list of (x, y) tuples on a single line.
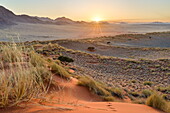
[(132, 20)]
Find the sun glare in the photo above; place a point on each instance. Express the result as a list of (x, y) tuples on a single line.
[(97, 19)]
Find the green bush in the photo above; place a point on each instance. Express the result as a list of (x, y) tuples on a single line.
[(135, 94), (149, 83), (91, 48), (133, 81), (65, 59)]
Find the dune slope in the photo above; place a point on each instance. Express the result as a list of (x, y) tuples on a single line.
[(76, 99)]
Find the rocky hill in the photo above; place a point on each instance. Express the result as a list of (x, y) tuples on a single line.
[(7, 17)]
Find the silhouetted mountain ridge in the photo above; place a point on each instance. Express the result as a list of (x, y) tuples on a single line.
[(7, 17)]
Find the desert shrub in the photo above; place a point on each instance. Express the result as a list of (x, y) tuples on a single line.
[(164, 89), (149, 83), (108, 42), (132, 97), (91, 48), (165, 69), (134, 94), (156, 101), (117, 92), (65, 59), (139, 101), (165, 96), (59, 70), (146, 93), (93, 86), (108, 98), (133, 81)]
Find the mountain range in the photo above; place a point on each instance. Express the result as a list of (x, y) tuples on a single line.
[(7, 17)]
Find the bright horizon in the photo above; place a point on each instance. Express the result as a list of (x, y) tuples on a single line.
[(89, 10)]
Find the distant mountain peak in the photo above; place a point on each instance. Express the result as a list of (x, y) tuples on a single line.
[(5, 13), (9, 16), (2, 7), (45, 19), (64, 20)]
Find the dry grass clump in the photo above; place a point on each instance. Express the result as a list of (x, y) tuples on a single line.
[(157, 101), (93, 86), (134, 94), (10, 53), (100, 89), (21, 85), (36, 59), (59, 70), (23, 75), (108, 98), (146, 93), (140, 101), (164, 89), (117, 92)]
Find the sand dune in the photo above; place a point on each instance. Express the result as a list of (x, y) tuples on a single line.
[(77, 99)]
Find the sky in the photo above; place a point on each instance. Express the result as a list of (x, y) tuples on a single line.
[(88, 10)]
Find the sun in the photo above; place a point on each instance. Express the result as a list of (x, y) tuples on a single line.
[(97, 19)]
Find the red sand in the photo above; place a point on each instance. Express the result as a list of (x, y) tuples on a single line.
[(76, 99)]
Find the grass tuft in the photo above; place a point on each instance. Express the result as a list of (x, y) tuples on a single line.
[(93, 86), (146, 93), (108, 98), (149, 83), (117, 92), (157, 101), (59, 70), (11, 53), (164, 89), (36, 59), (23, 75)]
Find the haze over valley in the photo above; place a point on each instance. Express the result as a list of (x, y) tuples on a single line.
[(28, 28)]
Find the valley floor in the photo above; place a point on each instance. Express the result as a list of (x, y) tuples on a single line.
[(124, 67)]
